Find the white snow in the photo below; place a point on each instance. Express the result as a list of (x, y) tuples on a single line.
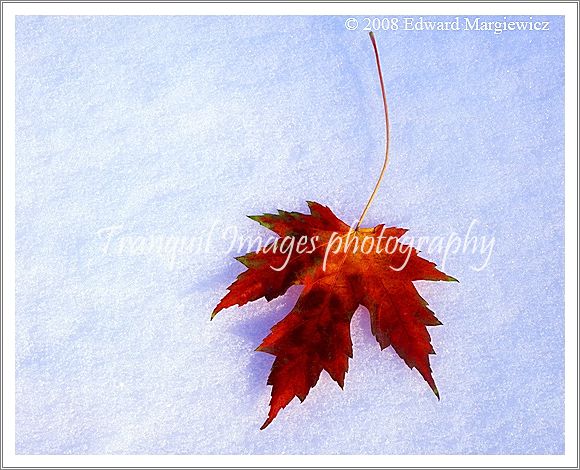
[(167, 126)]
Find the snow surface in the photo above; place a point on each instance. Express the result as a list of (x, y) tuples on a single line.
[(167, 126)]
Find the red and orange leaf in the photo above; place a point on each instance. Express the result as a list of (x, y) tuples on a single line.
[(339, 271)]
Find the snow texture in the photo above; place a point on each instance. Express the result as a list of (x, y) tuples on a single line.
[(169, 126)]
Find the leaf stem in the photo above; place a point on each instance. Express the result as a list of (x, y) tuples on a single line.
[(388, 134)]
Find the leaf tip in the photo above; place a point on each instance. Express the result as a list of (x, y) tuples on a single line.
[(244, 259), (261, 219), (262, 348), (436, 392), (315, 207), (266, 423), (219, 307)]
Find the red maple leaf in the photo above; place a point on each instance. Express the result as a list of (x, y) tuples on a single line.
[(341, 268)]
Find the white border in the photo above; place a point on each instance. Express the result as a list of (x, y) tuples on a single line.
[(310, 8), (10, 10)]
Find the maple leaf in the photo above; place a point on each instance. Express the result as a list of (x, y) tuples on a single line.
[(340, 269)]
